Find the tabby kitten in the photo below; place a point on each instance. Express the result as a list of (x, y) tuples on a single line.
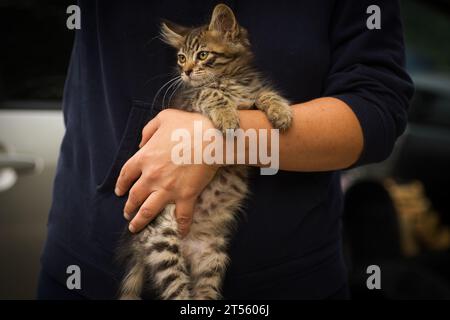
[(215, 63)]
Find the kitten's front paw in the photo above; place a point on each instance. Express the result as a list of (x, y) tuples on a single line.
[(276, 108), (280, 115), (225, 120)]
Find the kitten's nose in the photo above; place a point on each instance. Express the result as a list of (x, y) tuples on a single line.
[(188, 72)]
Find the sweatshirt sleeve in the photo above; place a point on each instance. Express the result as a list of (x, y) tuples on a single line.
[(367, 72)]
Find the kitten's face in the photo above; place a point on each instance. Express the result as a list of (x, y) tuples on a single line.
[(209, 53), (207, 56)]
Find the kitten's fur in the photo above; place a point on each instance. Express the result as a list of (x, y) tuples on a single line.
[(219, 85)]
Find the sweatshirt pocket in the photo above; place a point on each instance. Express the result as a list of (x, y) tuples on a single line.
[(105, 207), (139, 115)]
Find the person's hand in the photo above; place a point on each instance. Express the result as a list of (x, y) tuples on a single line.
[(155, 180)]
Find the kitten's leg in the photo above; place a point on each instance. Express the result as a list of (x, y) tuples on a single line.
[(132, 284), (276, 108), (208, 267), (219, 108), (164, 261), (213, 222)]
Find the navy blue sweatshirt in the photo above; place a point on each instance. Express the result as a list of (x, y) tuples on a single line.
[(288, 242)]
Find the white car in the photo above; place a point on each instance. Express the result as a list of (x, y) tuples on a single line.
[(29, 146)]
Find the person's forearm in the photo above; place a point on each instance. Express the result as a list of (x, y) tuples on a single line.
[(325, 135)]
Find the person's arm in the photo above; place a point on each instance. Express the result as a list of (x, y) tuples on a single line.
[(325, 135)]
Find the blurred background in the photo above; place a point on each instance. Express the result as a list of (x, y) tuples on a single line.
[(397, 213)]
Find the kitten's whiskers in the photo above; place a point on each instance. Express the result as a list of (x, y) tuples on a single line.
[(160, 89), (180, 83), (172, 85)]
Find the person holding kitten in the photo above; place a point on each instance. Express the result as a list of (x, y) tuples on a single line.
[(349, 95)]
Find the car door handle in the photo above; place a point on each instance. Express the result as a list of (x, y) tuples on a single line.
[(19, 162)]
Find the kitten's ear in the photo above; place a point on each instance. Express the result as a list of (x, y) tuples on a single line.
[(173, 34), (224, 21)]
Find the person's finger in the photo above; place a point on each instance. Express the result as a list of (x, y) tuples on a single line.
[(151, 207), (184, 211), (129, 173), (148, 131), (136, 197)]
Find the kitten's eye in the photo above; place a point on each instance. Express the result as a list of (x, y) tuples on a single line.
[(181, 58), (202, 55)]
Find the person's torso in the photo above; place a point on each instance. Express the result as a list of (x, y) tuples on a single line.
[(118, 65)]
